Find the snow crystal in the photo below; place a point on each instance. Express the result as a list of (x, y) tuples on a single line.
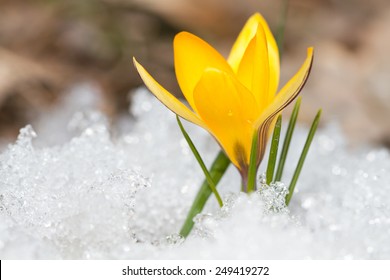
[(74, 186)]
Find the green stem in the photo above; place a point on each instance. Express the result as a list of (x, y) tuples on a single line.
[(302, 158), (273, 152), (218, 168), (282, 27), (253, 165), (200, 161), (287, 140)]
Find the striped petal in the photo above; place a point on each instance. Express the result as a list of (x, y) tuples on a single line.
[(166, 97), (192, 57), (288, 93), (228, 109)]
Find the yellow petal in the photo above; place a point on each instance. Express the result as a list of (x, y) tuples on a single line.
[(273, 57), (262, 143), (243, 41), (253, 71), (228, 109), (288, 93), (166, 97), (192, 57)]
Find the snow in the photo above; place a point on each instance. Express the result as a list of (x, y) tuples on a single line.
[(73, 186)]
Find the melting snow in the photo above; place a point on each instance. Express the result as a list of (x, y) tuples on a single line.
[(70, 189)]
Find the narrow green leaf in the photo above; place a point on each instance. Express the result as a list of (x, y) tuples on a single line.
[(251, 186), (273, 152), (287, 139), (217, 170), (302, 158), (200, 161), (282, 27)]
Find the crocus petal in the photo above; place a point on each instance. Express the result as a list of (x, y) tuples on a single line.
[(273, 57), (288, 93), (262, 142), (243, 41), (166, 97), (192, 56), (244, 38), (253, 71), (228, 109)]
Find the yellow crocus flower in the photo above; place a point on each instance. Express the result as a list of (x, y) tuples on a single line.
[(232, 99)]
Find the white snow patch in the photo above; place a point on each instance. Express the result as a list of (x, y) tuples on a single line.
[(68, 190)]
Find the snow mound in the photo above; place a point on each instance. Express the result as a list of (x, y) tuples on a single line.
[(77, 187)]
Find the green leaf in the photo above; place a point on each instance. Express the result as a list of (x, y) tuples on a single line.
[(252, 171), (200, 161), (287, 139), (217, 170), (273, 152), (282, 27), (302, 158)]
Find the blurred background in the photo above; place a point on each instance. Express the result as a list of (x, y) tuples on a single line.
[(47, 46)]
